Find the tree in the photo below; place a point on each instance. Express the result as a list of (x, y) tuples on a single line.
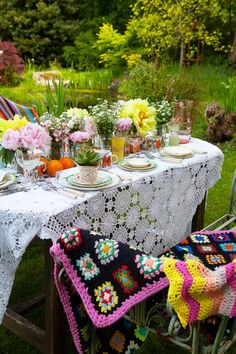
[(162, 25)]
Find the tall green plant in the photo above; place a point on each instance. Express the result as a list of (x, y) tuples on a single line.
[(228, 98), (56, 97)]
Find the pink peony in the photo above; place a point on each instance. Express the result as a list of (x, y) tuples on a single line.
[(11, 140), (124, 124), (34, 136), (90, 127), (80, 137)]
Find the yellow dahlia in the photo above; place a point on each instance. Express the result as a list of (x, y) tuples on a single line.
[(142, 114)]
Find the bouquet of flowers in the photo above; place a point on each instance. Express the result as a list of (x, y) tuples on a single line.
[(105, 116), (72, 120), (143, 115), (20, 134), (164, 112)]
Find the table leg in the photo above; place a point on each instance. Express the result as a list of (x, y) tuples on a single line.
[(55, 342), (198, 218)]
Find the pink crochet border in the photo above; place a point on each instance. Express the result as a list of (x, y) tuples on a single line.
[(213, 232), (100, 320), (65, 300)]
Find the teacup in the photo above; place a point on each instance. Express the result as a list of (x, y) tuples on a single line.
[(107, 158)]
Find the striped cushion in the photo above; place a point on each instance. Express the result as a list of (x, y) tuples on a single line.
[(8, 109)]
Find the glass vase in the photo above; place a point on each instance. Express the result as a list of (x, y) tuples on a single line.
[(118, 146), (182, 120), (55, 152)]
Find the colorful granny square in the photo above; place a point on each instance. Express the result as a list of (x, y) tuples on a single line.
[(198, 238), (206, 249), (141, 333), (71, 239), (125, 279), (117, 342), (220, 237), (87, 267), (228, 247), (106, 296), (148, 266), (215, 259), (107, 250)]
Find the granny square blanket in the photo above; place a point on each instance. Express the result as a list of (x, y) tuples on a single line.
[(100, 279), (103, 279)]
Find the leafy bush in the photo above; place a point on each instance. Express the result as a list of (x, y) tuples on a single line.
[(11, 64), (157, 83)]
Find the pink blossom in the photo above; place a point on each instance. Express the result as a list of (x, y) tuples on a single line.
[(11, 140), (34, 136), (90, 127), (80, 137), (123, 124)]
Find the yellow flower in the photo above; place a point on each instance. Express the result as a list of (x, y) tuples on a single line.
[(16, 123), (142, 114)]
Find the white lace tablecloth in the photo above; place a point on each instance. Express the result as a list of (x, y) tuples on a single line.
[(151, 212)]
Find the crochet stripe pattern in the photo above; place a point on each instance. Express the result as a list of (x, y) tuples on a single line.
[(196, 292)]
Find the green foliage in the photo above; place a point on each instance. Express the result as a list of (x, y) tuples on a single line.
[(6, 155), (164, 25), (228, 98), (82, 55), (117, 49), (89, 80), (88, 158), (56, 97), (148, 80)]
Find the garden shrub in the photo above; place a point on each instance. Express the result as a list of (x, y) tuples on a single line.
[(11, 64), (158, 82)]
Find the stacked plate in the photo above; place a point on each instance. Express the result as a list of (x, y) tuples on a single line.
[(137, 164), (104, 180), (178, 152), (7, 180)]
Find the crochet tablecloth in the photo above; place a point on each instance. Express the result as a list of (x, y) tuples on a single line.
[(151, 212)]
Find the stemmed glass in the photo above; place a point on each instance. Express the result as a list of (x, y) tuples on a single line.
[(28, 160)]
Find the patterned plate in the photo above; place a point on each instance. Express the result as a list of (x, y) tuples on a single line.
[(125, 166), (114, 181), (103, 179), (8, 181)]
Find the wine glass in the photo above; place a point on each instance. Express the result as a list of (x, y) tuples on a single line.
[(28, 160)]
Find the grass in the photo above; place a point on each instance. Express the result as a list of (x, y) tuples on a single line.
[(217, 203)]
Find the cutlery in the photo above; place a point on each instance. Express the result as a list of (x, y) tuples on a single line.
[(4, 192)]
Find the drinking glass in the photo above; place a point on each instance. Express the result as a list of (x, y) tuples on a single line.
[(28, 160)]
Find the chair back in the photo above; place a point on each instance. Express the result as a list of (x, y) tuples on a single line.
[(9, 108), (232, 208)]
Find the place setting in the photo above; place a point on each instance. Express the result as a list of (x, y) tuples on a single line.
[(137, 164), (74, 181)]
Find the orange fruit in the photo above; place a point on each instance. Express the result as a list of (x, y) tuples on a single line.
[(53, 167), (67, 162), (42, 168)]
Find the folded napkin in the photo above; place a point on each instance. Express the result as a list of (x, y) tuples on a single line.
[(102, 279)]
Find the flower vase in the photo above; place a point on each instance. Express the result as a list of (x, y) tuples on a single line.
[(55, 153), (105, 142), (118, 144)]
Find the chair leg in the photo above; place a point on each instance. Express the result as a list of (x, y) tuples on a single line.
[(219, 335), (195, 340)]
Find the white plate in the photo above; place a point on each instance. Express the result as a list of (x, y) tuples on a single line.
[(103, 178), (115, 180), (126, 167), (137, 163), (178, 151), (10, 180)]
